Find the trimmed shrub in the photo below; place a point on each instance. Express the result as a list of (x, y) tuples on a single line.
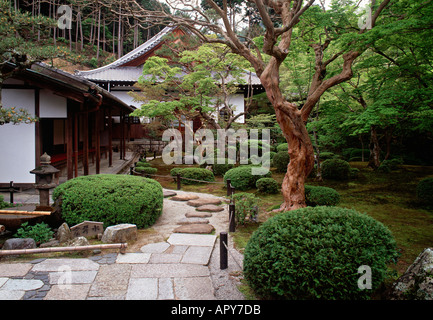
[(321, 196), (280, 161), (269, 154), (326, 155), (424, 191), (246, 207), (175, 171), (354, 173), (111, 199), (147, 171), (242, 178), (220, 169), (315, 253), (143, 164), (335, 169), (267, 185), (283, 147), (196, 174)]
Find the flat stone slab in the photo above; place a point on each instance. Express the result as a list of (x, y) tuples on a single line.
[(142, 289), (133, 258), (68, 292), (175, 270), (184, 197), (191, 289), (168, 193), (202, 240), (165, 258), (195, 228), (14, 269), (63, 265), (198, 214), (197, 255), (158, 247), (210, 208), (74, 277), (22, 285), (201, 202), (193, 220)]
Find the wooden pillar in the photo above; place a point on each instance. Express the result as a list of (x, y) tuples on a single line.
[(110, 138), (69, 143), (38, 149), (98, 140), (76, 137), (121, 135), (86, 142)]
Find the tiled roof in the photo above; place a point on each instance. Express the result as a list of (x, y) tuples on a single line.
[(115, 71)]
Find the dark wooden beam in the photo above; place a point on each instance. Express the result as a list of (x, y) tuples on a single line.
[(38, 151), (110, 138), (86, 142), (98, 140), (69, 142)]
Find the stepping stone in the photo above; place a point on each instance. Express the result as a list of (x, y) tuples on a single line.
[(202, 202), (193, 220), (158, 247), (210, 208), (184, 197), (198, 214), (169, 193), (202, 240), (195, 228)]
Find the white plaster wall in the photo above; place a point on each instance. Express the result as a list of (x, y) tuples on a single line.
[(238, 105), (17, 142), (51, 105)]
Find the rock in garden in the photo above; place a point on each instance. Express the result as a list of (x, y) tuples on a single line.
[(184, 197), (64, 233), (210, 208), (120, 233), (417, 282), (195, 228), (78, 242), (202, 202), (193, 220), (169, 193), (198, 214), (19, 243)]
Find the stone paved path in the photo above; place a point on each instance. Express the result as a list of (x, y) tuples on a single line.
[(185, 266)]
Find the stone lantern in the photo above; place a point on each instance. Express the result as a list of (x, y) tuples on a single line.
[(45, 179)]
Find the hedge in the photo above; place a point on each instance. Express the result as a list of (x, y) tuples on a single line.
[(111, 199), (193, 173), (335, 169), (316, 252), (424, 191), (267, 185), (280, 161), (242, 178), (321, 196)]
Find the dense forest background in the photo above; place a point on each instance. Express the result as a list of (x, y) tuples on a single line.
[(385, 112)]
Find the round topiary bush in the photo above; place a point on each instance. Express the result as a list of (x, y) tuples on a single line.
[(335, 169), (315, 253), (321, 196), (195, 174), (280, 161), (147, 171), (111, 199), (267, 185), (283, 147), (242, 177), (424, 191)]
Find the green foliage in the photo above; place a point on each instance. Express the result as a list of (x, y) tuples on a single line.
[(321, 196), (280, 161), (40, 232), (315, 253), (326, 155), (3, 204), (267, 185), (283, 147), (246, 206), (143, 164), (335, 169), (242, 177), (424, 191), (111, 199), (193, 173), (146, 171), (219, 168)]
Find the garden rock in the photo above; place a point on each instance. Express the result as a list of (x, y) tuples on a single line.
[(184, 197), (417, 282), (19, 243), (193, 220), (202, 202), (198, 214), (78, 242), (64, 233), (169, 193), (210, 208), (120, 233), (195, 228)]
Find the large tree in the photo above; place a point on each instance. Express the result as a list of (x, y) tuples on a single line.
[(336, 38)]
